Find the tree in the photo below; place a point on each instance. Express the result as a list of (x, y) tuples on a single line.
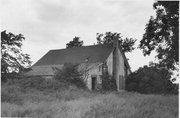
[(151, 79), (108, 83), (69, 74), (162, 34), (12, 58), (75, 43), (107, 38)]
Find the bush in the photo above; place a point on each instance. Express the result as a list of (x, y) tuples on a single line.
[(32, 82), (10, 76), (151, 80), (37, 82), (69, 74), (40, 83), (11, 94), (14, 75), (108, 83)]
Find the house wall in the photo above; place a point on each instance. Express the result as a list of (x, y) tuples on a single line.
[(94, 72), (109, 63), (128, 72), (121, 64), (97, 71), (121, 72)]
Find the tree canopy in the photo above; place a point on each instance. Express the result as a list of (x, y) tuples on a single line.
[(75, 43), (127, 44), (12, 57), (162, 34), (151, 79), (69, 74)]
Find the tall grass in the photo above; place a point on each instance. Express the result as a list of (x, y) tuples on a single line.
[(72, 102)]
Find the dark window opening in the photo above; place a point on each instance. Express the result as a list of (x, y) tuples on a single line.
[(94, 80)]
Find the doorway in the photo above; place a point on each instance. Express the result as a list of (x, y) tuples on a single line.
[(94, 80)]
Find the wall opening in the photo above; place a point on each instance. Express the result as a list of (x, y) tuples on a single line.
[(114, 64), (94, 82), (121, 82), (125, 69)]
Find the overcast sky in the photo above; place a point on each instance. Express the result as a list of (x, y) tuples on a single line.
[(50, 24)]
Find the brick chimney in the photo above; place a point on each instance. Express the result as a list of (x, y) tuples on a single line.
[(115, 42), (116, 61)]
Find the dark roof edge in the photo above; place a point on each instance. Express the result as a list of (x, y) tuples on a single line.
[(40, 59), (107, 54), (70, 49), (80, 47), (124, 56)]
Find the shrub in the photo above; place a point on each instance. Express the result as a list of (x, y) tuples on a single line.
[(108, 83), (69, 74), (10, 76), (32, 82), (14, 75), (37, 82), (151, 80), (11, 94), (40, 83)]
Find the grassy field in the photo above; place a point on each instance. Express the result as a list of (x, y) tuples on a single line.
[(72, 102)]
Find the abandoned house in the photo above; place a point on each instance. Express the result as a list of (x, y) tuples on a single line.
[(95, 60)]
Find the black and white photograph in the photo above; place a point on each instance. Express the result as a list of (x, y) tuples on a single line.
[(89, 59)]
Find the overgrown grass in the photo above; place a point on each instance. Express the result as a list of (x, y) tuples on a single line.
[(72, 102)]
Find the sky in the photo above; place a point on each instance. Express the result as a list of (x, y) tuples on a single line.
[(51, 24)]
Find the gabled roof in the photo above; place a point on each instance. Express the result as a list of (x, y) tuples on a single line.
[(94, 54), (125, 59)]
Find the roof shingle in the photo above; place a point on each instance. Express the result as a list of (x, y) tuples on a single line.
[(94, 54)]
